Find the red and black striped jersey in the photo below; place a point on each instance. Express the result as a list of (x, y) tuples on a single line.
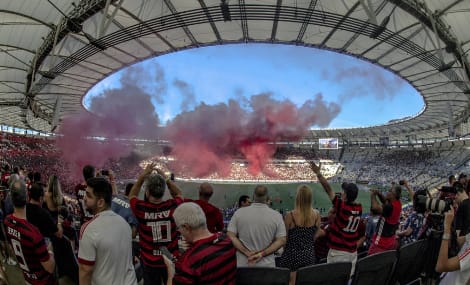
[(343, 231), (156, 228), (30, 249), (208, 261), (80, 193)]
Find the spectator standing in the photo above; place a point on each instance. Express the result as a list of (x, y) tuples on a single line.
[(302, 226), (462, 217), (156, 227), (257, 231), (50, 229), (390, 209), (344, 234), (105, 251), (457, 267), (414, 223), (321, 243), (80, 192), (371, 225), (40, 217), (244, 201), (53, 198), (211, 257), (215, 221), (35, 257), (121, 206)]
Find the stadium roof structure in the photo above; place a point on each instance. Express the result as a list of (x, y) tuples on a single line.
[(53, 51)]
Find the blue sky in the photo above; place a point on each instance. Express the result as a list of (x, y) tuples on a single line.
[(368, 94)]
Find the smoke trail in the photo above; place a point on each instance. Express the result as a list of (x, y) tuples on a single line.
[(126, 112), (204, 139), (187, 93), (378, 85)]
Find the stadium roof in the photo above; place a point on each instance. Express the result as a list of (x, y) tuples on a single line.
[(53, 51)]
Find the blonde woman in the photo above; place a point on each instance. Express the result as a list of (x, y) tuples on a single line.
[(53, 197), (302, 226)]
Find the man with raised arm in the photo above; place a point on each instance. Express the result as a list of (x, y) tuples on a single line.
[(156, 227), (343, 234), (390, 209)]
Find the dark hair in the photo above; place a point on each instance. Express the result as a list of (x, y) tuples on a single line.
[(101, 188), (128, 188), (451, 177), (37, 177), (242, 199), (156, 185), (458, 187), (351, 191), (397, 191), (88, 172), (16, 170), (36, 191), (419, 207)]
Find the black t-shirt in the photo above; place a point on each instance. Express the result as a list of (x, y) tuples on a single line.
[(40, 218), (462, 220)]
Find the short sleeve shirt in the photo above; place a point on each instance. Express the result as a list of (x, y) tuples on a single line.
[(256, 227)]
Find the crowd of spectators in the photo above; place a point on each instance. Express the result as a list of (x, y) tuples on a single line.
[(376, 166)]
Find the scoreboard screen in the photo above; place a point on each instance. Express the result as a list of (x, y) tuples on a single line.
[(328, 143)]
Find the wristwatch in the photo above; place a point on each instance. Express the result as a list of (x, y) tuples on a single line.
[(446, 237)]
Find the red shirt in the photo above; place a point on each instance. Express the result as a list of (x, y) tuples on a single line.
[(215, 221), (344, 229), (393, 220), (209, 261), (30, 249), (156, 228)]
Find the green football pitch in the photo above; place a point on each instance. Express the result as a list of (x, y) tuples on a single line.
[(282, 195)]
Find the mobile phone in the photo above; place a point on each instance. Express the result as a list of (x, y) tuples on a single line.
[(164, 250)]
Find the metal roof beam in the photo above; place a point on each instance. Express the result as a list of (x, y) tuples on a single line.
[(276, 20), (185, 28), (211, 21), (306, 21), (244, 20)]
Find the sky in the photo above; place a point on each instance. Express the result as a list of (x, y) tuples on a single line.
[(217, 102), (179, 82)]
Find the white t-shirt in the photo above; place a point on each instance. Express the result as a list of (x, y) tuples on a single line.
[(462, 276), (106, 244), (257, 226)]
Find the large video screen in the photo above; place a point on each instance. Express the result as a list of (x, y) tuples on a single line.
[(329, 143)]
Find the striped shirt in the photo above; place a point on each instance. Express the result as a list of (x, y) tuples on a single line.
[(343, 231), (156, 228), (208, 261), (30, 250)]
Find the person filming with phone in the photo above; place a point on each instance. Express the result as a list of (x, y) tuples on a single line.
[(456, 269)]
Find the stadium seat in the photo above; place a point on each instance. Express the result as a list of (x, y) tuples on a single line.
[(263, 276), (375, 269), (410, 263), (321, 274)]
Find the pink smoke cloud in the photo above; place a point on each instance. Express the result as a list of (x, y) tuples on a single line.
[(124, 113), (204, 139)]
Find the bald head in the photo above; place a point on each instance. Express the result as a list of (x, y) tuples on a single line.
[(261, 194), (205, 191)]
